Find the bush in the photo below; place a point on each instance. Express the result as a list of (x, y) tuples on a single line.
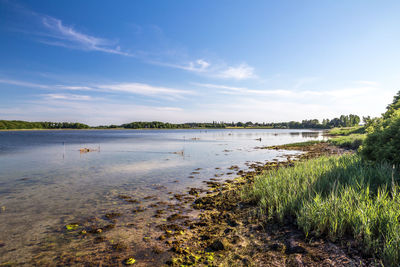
[(353, 141), (383, 142)]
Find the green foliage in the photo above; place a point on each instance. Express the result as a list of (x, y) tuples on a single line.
[(383, 140), (336, 196), (301, 144), (347, 130), (13, 125), (343, 121), (391, 108), (353, 141), (305, 124), (166, 125)]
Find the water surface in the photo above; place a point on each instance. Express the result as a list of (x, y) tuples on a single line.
[(46, 183)]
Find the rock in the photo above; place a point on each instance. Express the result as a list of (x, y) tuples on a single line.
[(278, 247), (228, 230), (193, 191), (204, 237), (292, 247), (232, 223), (216, 246), (112, 215)]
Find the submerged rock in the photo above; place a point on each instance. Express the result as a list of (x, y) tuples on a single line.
[(216, 246)]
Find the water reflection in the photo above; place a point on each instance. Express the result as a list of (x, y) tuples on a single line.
[(46, 181)]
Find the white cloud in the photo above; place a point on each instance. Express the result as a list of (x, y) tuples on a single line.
[(168, 109), (370, 83), (67, 87), (206, 68), (241, 72), (67, 97), (24, 84), (199, 65), (337, 93), (145, 89), (131, 88), (95, 112), (58, 34), (246, 91)]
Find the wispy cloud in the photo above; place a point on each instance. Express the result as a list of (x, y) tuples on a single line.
[(145, 89), (23, 83), (245, 91), (71, 97), (241, 72), (54, 31), (337, 93), (199, 65), (59, 34), (207, 68), (130, 88), (371, 83), (95, 112)]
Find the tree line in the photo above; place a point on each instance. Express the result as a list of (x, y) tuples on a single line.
[(10, 125), (342, 121)]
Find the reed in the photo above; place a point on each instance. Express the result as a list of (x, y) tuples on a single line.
[(336, 197)]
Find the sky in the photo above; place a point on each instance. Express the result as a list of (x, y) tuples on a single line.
[(112, 62)]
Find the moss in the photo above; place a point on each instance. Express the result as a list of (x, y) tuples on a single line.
[(72, 226), (129, 261)]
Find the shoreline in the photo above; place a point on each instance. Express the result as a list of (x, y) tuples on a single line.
[(229, 232), (162, 129), (223, 224)]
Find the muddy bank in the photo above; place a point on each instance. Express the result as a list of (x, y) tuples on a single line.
[(228, 231)]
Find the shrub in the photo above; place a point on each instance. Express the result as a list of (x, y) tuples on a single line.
[(353, 141), (383, 142)]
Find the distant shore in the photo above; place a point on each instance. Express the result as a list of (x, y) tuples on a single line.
[(226, 128)]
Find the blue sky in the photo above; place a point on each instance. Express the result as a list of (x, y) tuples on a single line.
[(103, 62)]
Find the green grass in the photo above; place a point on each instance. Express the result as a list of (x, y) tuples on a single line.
[(353, 141), (335, 197), (301, 144), (347, 130)]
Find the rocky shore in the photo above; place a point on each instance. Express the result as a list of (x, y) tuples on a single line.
[(229, 232)]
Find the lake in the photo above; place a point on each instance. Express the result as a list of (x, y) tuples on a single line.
[(46, 183)]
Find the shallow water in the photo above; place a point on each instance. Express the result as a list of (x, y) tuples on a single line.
[(46, 183)]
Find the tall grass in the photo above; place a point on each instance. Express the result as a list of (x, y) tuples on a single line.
[(336, 196), (347, 130), (353, 141)]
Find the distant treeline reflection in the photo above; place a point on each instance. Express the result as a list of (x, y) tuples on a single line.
[(342, 121)]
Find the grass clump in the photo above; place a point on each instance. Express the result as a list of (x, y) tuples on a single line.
[(336, 196), (353, 141), (301, 144), (347, 130)]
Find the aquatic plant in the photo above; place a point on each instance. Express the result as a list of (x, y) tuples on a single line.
[(130, 261), (72, 226)]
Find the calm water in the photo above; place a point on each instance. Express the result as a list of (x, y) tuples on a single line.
[(46, 183)]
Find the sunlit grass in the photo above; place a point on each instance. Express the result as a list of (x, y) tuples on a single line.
[(347, 130), (353, 141), (336, 197), (301, 144)]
